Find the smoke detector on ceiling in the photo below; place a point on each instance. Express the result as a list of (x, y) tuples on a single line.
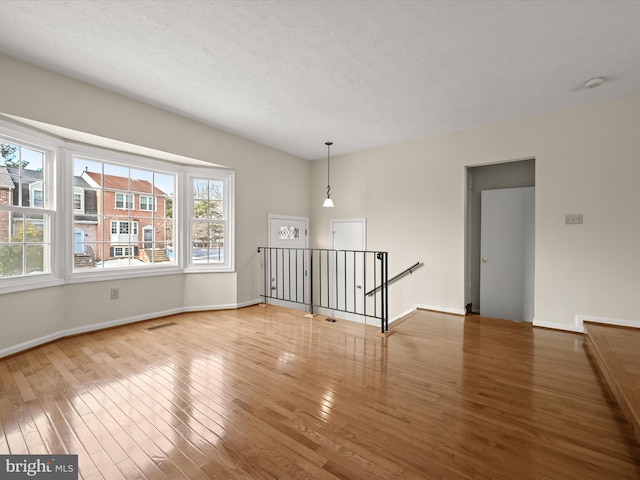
[(594, 82)]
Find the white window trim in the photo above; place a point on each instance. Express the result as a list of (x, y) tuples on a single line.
[(126, 160), (18, 134), (228, 178)]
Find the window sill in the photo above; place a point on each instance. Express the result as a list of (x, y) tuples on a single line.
[(121, 274), (31, 283), (208, 269)]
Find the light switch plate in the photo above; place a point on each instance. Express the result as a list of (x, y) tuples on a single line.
[(572, 218)]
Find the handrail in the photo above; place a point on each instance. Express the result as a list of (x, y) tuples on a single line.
[(397, 277)]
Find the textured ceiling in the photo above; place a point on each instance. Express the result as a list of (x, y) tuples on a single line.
[(294, 74)]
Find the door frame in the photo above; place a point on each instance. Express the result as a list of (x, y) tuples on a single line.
[(270, 218), (472, 220), (360, 318)]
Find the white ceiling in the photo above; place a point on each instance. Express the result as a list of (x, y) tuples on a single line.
[(293, 74)]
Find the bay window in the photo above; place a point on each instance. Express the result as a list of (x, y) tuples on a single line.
[(71, 213)]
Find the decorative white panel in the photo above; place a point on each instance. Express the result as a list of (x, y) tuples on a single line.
[(288, 233)]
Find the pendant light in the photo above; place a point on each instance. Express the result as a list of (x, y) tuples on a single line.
[(328, 202)]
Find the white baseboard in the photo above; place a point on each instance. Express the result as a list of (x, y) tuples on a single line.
[(229, 306), (114, 323), (452, 311), (402, 315), (578, 325), (557, 326), (580, 319)]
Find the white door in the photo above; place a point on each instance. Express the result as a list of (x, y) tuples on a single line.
[(347, 272), (507, 235), (78, 240), (286, 269)]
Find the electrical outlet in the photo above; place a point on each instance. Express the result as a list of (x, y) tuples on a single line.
[(572, 218), (115, 293)]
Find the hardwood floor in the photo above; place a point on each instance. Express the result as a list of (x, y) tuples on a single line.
[(616, 351), (265, 393)]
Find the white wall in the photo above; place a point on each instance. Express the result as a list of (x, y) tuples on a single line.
[(413, 196), (267, 181)]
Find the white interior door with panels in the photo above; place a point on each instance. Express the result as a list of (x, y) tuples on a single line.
[(507, 237), (347, 269), (286, 269)]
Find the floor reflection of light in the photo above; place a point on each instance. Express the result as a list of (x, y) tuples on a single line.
[(286, 357), (327, 403)]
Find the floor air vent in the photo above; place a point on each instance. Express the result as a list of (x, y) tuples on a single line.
[(162, 325)]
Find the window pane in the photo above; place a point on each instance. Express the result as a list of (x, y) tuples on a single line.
[(17, 227), (168, 208), (215, 190), (34, 228), (201, 209), (200, 189), (87, 255), (35, 258), (164, 182), (32, 161), (116, 171), (11, 259), (87, 171), (164, 230), (141, 181), (208, 242), (36, 195), (9, 154)]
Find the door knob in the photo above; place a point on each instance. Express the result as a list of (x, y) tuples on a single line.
[(485, 259)]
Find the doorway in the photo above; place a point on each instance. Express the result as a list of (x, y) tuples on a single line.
[(507, 175), (347, 269), (286, 266)]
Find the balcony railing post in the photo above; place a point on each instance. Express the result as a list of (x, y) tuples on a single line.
[(310, 281), (385, 295), (384, 288)]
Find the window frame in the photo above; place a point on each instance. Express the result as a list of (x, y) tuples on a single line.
[(227, 177), (131, 161), (52, 149)]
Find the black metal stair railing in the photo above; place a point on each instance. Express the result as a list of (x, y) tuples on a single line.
[(397, 277), (335, 280)]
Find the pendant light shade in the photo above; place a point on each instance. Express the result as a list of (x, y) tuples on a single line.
[(327, 201)]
